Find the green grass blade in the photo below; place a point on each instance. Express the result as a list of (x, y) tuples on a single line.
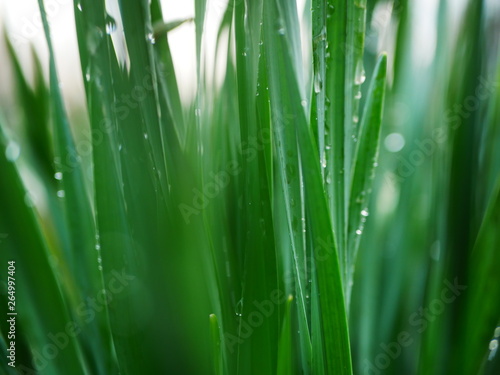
[(483, 306), (365, 159), (286, 101), (286, 112), (42, 308), (216, 345), (285, 364), (335, 132), (82, 257)]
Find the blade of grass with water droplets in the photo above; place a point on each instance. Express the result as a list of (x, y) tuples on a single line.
[(286, 108), (364, 163), (318, 111), (286, 99), (259, 267), (120, 252), (335, 132), (82, 257)]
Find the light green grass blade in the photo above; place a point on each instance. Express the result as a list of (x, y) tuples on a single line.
[(83, 259), (365, 161), (335, 129), (285, 356), (118, 248), (216, 345), (286, 112)]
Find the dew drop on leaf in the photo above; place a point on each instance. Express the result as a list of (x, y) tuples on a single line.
[(360, 75), (110, 24), (12, 151)]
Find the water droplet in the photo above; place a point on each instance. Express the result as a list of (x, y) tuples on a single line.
[(304, 103), (197, 112), (79, 6), (110, 24), (151, 38), (145, 135), (317, 83), (359, 232), (120, 147), (99, 260), (493, 344), (281, 31), (328, 179), (360, 75), (12, 151), (497, 332), (60, 193), (98, 246), (239, 308), (58, 176), (358, 95), (355, 119), (87, 73), (493, 349), (330, 11), (323, 163), (364, 213)]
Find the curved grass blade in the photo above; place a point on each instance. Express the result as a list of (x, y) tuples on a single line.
[(38, 294), (82, 256)]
